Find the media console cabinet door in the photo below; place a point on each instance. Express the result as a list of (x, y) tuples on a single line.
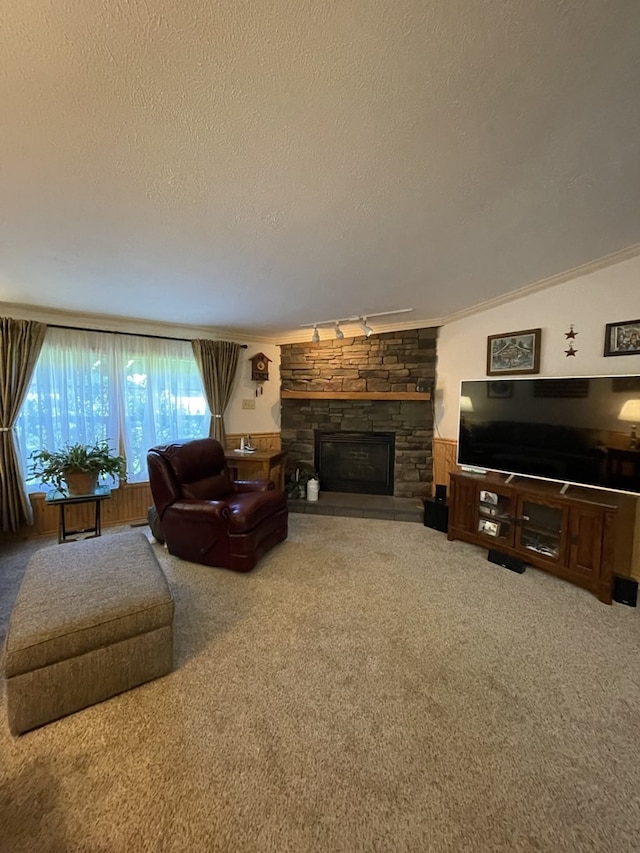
[(585, 540), (461, 505), (541, 526)]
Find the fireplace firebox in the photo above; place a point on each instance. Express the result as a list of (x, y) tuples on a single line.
[(360, 462)]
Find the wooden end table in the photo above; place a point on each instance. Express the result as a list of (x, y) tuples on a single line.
[(259, 464)]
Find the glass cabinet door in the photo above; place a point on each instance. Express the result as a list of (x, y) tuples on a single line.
[(495, 516), (541, 528)]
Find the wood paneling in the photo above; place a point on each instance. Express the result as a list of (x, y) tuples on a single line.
[(445, 451), (261, 440), (128, 504)]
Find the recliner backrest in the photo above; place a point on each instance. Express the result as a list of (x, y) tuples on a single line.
[(192, 469)]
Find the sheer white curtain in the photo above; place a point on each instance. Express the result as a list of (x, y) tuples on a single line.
[(71, 396), (135, 392), (162, 397)]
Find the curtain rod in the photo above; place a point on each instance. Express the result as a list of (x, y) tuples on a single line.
[(134, 334)]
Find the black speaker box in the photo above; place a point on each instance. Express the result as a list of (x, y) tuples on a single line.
[(441, 493), (436, 514), (625, 591), (514, 564)]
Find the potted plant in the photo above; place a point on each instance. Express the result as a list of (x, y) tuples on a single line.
[(297, 481), (75, 468)]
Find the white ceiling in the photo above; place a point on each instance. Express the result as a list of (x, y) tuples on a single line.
[(253, 166)]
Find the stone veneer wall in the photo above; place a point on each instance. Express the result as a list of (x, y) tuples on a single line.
[(393, 361)]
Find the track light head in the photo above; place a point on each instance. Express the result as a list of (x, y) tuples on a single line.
[(363, 325), (360, 319)]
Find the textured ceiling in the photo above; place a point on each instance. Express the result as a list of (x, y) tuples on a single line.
[(257, 166)]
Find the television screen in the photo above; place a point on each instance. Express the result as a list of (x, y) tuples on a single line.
[(579, 430)]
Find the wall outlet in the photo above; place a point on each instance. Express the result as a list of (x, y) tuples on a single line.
[(249, 404)]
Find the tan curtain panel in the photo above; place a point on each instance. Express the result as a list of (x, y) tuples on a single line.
[(217, 362), (20, 345)]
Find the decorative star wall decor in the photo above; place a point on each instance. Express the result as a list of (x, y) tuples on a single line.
[(570, 335), (570, 351)]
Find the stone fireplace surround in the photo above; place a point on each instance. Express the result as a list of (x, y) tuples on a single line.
[(391, 365)]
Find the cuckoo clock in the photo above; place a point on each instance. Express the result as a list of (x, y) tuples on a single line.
[(260, 368)]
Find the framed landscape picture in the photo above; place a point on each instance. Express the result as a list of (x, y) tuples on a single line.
[(514, 352), (622, 338)]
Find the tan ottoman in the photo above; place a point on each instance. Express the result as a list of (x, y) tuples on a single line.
[(92, 619)]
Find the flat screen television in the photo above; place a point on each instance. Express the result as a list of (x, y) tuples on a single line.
[(579, 430)]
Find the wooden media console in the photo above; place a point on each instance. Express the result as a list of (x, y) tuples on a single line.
[(582, 535)]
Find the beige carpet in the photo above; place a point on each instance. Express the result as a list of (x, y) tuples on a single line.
[(369, 687)]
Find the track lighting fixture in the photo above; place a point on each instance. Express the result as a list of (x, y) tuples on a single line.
[(360, 319), (363, 325)]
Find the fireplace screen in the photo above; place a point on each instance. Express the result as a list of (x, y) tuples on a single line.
[(355, 461)]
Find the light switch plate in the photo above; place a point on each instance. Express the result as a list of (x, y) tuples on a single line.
[(248, 404)]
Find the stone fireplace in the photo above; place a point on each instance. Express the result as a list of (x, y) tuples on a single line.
[(363, 385)]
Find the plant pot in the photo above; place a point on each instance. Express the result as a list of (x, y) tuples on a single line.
[(81, 483)]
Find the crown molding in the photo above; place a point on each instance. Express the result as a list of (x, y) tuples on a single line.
[(118, 323), (559, 278)]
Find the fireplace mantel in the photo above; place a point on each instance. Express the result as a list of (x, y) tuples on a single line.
[(355, 395)]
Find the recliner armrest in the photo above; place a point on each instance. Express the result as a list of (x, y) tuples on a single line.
[(253, 485), (201, 510)]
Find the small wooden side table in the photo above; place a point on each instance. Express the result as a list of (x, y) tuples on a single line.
[(55, 498), (258, 465)]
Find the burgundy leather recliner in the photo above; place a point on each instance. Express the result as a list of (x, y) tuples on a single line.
[(206, 516)]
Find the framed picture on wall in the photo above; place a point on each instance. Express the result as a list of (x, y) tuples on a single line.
[(514, 352), (622, 338)]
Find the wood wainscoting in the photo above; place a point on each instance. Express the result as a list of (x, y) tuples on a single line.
[(127, 505), (445, 453), (261, 440)]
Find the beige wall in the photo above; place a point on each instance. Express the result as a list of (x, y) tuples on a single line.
[(265, 418), (609, 295)]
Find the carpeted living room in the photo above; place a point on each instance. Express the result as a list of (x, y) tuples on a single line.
[(333, 309), (369, 686)]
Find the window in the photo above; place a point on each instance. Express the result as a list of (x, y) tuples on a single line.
[(135, 392), (162, 397)]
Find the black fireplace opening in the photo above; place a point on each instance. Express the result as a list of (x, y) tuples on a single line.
[(359, 462)]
